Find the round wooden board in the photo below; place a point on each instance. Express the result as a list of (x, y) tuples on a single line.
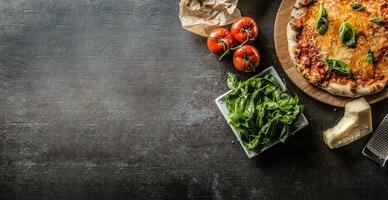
[(281, 44)]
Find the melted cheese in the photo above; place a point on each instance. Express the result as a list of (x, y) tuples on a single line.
[(331, 46)]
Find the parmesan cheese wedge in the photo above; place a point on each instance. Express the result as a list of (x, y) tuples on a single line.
[(356, 123)]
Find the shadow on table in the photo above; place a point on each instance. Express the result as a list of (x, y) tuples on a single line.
[(301, 151), (299, 148), (351, 156)]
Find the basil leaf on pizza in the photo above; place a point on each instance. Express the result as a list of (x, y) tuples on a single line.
[(376, 19), (338, 66), (321, 23), (347, 34), (357, 6), (369, 57)]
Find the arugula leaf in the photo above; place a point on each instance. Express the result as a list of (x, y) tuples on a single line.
[(261, 111), (369, 57), (357, 6), (347, 34), (321, 24), (338, 66), (376, 19)]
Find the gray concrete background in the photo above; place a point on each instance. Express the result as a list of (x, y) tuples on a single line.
[(112, 99)]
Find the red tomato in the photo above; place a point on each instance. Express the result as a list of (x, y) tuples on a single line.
[(246, 58), (245, 30), (219, 41)]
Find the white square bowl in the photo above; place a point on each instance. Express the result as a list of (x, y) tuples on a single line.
[(300, 122)]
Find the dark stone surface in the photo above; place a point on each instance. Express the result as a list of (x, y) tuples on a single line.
[(103, 99)]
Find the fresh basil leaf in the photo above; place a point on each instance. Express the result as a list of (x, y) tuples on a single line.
[(251, 145), (357, 6), (338, 66), (260, 111), (287, 119), (376, 19), (250, 107), (347, 34), (260, 114), (369, 57), (284, 133), (321, 23), (232, 81), (270, 105)]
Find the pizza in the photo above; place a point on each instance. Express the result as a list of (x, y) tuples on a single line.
[(341, 46)]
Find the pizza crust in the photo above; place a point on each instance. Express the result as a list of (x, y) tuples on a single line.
[(292, 29), (334, 88), (346, 91)]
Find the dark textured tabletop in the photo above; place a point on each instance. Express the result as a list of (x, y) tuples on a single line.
[(112, 99)]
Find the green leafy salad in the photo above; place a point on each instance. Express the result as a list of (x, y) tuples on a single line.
[(261, 111)]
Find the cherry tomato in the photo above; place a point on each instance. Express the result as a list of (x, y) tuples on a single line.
[(245, 30), (246, 58), (219, 41)]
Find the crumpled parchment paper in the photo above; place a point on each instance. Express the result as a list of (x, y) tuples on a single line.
[(202, 16)]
